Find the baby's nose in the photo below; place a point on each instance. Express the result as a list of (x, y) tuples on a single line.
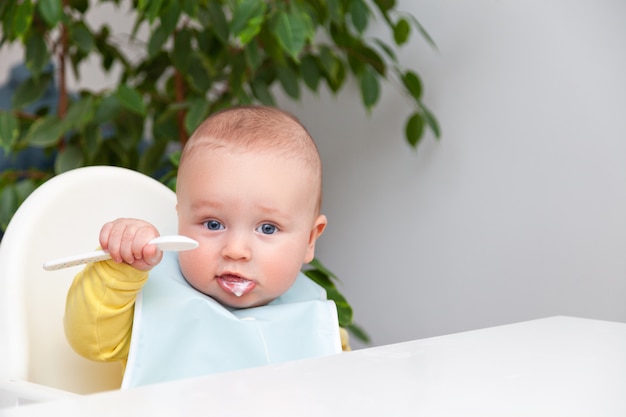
[(236, 247)]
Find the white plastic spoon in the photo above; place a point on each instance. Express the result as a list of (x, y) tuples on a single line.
[(167, 243)]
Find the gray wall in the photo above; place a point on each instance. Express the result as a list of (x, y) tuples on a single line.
[(519, 212)]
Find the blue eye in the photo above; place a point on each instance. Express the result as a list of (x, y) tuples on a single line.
[(267, 229), (213, 225)]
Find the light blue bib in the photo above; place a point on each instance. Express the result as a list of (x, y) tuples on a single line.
[(179, 332)]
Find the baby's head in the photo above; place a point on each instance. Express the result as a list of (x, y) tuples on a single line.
[(249, 190), (258, 130)]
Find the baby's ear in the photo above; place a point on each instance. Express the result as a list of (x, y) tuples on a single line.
[(316, 231)]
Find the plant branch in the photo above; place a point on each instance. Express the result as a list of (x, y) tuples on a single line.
[(25, 116), (62, 54), (179, 96), (179, 84), (12, 176)]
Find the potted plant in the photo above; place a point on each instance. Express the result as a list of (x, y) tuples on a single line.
[(198, 56)]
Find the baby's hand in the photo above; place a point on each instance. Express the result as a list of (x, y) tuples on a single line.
[(126, 240)]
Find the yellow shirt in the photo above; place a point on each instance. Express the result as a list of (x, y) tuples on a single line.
[(99, 311)]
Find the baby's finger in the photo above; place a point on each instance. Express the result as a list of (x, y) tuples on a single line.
[(121, 240), (152, 255), (141, 240), (105, 232)]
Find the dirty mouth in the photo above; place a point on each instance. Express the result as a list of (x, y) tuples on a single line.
[(236, 285)]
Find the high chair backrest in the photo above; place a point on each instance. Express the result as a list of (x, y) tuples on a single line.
[(61, 218)]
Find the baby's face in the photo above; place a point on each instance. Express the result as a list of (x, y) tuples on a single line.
[(255, 217)]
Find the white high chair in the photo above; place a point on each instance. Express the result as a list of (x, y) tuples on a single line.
[(63, 217)]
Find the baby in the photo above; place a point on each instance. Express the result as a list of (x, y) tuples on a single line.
[(249, 191)]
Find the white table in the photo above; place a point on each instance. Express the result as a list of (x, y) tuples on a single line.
[(558, 366)]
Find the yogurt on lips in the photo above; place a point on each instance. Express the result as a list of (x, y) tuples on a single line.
[(235, 284)]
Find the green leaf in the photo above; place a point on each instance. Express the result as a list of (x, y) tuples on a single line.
[(7, 20), (327, 59), (289, 81), (358, 332), (165, 126), (306, 15), (237, 77), (142, 4), (129, 126), (253, 56), (70, 158), (197, 112), (385, 5), (37, 55), (387, 49), (24, 188), (310, 72), (401, 31), (8, 131), (432, 122), (181, 53), (197, 75), (191, 7), (22, 19), (8, 205), (108, 52), (344, 310), (341, 36), (82, 37), (152, 157), (413, 84), (153, 9), (107, 109), (261, 91), (320, 278), (248, 17), (75, 61), (30, 90), (51, 11), (272, 48), (370, 89), (79, 114), (218, 20), (156, 42), (11, 196), (169, 17), (317, 264), (364, 54), (130, 99), (414, 129), (359, 14), (423, 32), (334, 9), (92, 140), (333, 68), (174, 158), (45, 132), (80, 5), (324, 278), (291, 31)]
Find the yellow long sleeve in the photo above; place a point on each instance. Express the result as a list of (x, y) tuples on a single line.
[(99, 310)]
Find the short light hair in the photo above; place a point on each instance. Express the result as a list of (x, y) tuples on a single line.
[(259, 129)]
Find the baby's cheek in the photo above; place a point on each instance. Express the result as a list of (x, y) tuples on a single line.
[(282, 280), (187, 264)]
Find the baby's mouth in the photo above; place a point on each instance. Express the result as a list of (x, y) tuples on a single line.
[(235, 284)]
